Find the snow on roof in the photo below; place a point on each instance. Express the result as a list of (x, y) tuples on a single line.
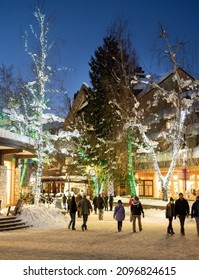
[(86, 85), (16, 137), (156, 79)]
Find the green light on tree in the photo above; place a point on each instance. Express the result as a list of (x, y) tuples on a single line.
[(23, 174), (131, 176)]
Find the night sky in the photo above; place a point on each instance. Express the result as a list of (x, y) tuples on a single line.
[(81, 26)]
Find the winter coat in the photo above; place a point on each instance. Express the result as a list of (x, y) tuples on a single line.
[(85, 206), (95, 201), (64, 199), (110, 199), (100, 202), (136, 208), (105, 199), (195, 209), (181, 207), (170, 210), (119, 212), (72, 206)]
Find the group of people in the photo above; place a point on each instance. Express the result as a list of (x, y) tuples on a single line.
[(83, 206), (136, 210), (178, 209), (181, 210), (100, 203)]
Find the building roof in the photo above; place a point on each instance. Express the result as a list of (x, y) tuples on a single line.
[(18, 144)]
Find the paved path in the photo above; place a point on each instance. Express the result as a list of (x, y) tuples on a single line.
[(102, 241)]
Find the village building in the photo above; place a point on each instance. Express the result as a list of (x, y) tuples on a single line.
[(186, 174), (63, 175), (13, 148), (185, 178)]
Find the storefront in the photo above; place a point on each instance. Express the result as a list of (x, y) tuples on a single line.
[(150, 186), (12, 148)]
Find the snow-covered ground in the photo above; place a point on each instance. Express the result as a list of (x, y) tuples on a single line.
[(50, 238)]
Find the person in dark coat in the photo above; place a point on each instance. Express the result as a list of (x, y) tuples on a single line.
[(111, 202), (86, 207), (72, 207), (106, 202), (64, 199), (100, 206), (170, 213), (119, 214), (95, 204), (181, 211), (78, 199), (195, 212), (136, 211)]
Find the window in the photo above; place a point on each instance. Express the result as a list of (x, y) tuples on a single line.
[(146, 188)]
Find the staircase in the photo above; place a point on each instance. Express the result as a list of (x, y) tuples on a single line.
[(12, 223)]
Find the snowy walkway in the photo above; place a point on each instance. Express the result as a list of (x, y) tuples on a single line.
[(102, 241)]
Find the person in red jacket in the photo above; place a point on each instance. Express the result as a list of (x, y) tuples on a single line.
[(131, 200)]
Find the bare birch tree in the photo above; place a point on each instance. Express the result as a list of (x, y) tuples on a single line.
[(179, 109)]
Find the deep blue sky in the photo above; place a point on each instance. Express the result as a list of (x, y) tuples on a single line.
[(82, 24)]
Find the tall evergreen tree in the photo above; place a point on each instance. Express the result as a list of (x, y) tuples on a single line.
[(112, 100)]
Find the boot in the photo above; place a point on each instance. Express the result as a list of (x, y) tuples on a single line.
[(172, 232), (182, 231), (169, 230)]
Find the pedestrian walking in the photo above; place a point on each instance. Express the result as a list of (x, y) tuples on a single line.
[(111, 202), (119, 214), (78, 199), (181, 211), (195, 212), (64, 198), (170, 213), (95, 204), (68, 199), (72, 208), (100, 206), (130, 203), (106, 202), (86, 208), (136, 211)]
